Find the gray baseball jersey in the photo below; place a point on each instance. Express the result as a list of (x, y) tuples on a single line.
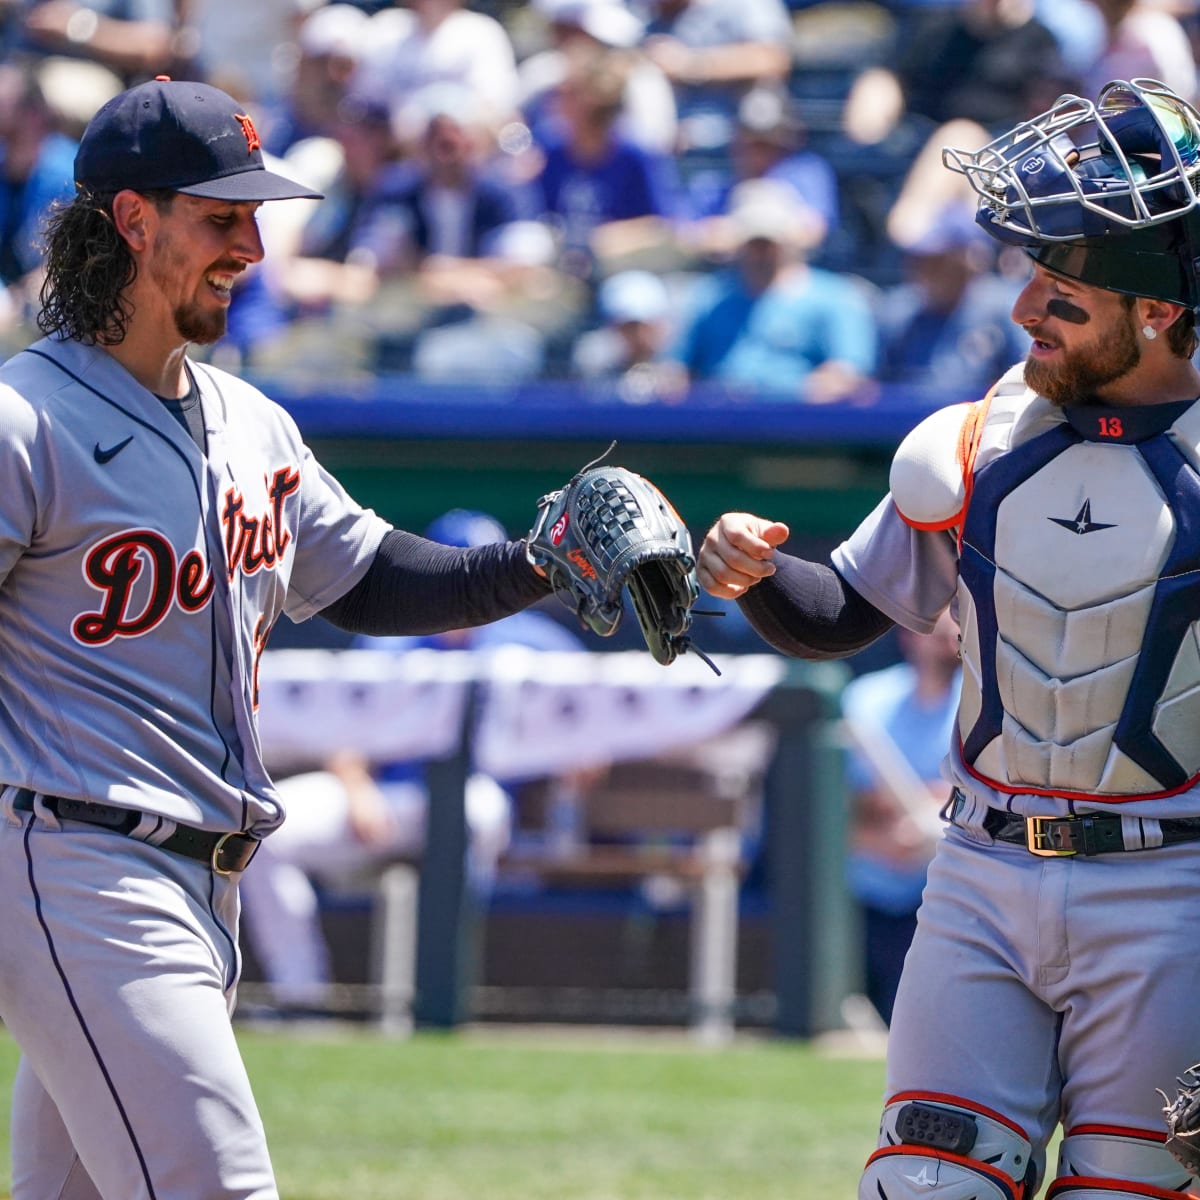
[(1044, 989), (139, 578)]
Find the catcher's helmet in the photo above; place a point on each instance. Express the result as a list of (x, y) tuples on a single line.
[(1104, 191)]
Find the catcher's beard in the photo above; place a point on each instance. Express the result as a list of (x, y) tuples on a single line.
[(1080, 373)]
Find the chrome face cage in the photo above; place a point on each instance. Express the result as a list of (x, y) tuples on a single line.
[(993, 171)]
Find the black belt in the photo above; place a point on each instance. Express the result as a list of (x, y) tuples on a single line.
[(226, 853), (1093, 833)]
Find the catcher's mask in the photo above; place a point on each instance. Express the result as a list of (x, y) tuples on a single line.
[(1104, 192)]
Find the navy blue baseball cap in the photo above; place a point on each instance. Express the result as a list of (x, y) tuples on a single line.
[(180, 137)]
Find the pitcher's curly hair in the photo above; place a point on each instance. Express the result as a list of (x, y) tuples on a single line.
[(88, 268)]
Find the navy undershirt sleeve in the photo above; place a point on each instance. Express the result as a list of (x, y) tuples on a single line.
[(415, 586), (807, 610)]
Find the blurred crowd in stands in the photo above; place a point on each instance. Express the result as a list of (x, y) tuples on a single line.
[(648, 194)]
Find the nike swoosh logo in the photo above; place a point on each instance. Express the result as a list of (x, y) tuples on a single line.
[(103, 456)]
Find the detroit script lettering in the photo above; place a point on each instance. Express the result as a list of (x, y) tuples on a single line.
[(140, 578)]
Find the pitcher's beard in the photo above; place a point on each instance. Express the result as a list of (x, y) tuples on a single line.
[(194, 322), (199, 326)]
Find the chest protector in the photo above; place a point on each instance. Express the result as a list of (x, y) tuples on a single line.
[(1079, 587)]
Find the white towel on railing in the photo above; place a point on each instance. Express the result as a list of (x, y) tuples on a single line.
[(553, 712), (541, 712), (390, 707)]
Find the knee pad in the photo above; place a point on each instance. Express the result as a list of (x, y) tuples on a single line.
[(907, 1173), (944, 1146), (1113, 1164)]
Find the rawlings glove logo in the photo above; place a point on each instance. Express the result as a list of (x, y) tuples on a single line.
[(609, 533)]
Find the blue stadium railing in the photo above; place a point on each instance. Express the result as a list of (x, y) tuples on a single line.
[(404, 407)]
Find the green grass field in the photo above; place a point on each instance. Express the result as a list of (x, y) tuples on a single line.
[(528, 1114)]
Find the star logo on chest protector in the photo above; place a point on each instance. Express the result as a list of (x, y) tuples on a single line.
[(1082, 521)]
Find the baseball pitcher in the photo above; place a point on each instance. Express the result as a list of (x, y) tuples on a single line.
[(156, 517)]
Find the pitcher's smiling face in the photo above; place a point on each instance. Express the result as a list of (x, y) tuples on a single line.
[(199, 248)]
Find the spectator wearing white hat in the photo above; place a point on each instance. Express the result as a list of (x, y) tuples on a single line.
[(247, 48), (768, 144), (648, 117), (771, 324), (439, 41), (329, 43), (630, 348), (457, 249), (447, 200)]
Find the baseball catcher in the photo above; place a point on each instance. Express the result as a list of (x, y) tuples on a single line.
[(610, 529), (1044, 517), (1183, 1121)]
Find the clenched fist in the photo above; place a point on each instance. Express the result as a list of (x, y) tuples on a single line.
[(737, 553)]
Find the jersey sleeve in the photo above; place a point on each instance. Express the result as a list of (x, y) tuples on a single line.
[(18, 498), (336, 542), (909, 574)]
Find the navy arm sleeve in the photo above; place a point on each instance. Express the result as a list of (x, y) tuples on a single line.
[(415, 586), (807, 610)]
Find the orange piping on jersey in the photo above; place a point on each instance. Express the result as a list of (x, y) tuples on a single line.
[(1008, 1185), (1066, 1184), (959, 1102), (932, 526), (1095, 797), (969, 437), (1141, 1135)]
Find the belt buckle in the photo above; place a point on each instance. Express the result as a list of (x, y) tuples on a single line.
[(1040, 841), (216, 858)]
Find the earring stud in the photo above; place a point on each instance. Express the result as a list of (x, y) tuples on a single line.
[(1149, 332)]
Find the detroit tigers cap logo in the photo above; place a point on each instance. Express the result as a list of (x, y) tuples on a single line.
[(253, 141)]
